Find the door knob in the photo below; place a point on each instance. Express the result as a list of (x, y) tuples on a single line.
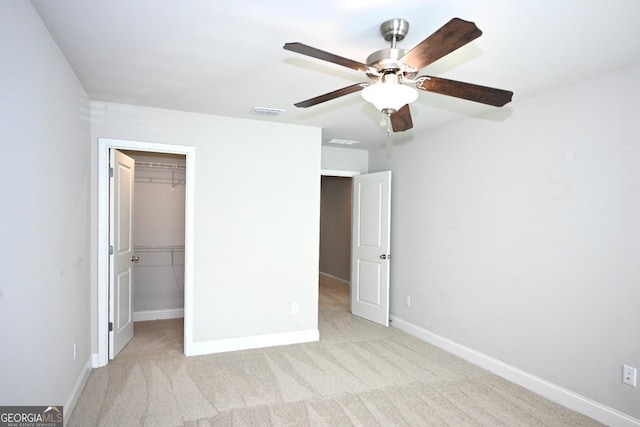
[(135, 258), (383, 256)]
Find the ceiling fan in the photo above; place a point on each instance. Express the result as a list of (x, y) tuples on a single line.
[(389, 70)]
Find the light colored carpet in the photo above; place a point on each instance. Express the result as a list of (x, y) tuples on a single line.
[(358, 374)]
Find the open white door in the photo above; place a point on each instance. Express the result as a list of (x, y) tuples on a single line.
[(122, 258), (370, 246)]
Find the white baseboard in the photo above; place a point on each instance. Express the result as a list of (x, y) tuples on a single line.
[(551, 391), (338, 279), (175, 313), (73, 397), (95, 361), (258, 341)]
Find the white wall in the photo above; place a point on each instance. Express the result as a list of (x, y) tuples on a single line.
[(345, 159), (44, 182), (520, 238), (256, 219)]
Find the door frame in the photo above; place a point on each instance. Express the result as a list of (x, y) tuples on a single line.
[(351, 174), (102, 327), (332, 172)]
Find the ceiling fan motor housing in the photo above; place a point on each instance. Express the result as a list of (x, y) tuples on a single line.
[(388, 61)]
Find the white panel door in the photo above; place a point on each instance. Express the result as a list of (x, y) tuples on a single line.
[(122, 259), (370, 246)]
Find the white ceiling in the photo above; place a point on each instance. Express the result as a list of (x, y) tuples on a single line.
[(224, 58)]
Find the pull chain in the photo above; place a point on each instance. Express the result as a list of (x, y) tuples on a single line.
[(385, 120)]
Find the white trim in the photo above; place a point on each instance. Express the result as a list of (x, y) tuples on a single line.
[(141, 316), (104, 144), (551, 391), (257, 341), (72, 399), (346, 283), (335, 172)]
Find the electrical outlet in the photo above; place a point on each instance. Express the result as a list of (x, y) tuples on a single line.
[(75, 351), (407, 300), (294, 308), (629, 375)]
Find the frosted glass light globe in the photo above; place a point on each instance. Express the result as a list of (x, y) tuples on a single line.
[(389, 96)]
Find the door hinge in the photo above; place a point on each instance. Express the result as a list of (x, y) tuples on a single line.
[(110, 249), (110, 326), (110, 172)]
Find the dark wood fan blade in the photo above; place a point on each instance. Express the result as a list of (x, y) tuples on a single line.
[(468, 91), (401, 119), (326, 56), (331, 95), (452, 35)]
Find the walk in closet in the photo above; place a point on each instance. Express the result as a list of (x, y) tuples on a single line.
[(159, 219)]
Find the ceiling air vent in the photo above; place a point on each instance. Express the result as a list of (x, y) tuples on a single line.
[(263, 111), (342, 141)]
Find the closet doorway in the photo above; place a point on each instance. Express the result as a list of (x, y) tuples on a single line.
[(166, 257), (158, 235)]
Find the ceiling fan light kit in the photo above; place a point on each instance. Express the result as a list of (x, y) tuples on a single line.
[(388, 95), (391, 68)]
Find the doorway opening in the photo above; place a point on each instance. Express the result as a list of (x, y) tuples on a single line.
[(155, 252), (334, 270), (335, 231), (368, 225), (158, 236)]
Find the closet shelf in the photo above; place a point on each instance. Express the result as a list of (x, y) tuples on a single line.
[(177, 248), (160, 173), (159, 256)]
